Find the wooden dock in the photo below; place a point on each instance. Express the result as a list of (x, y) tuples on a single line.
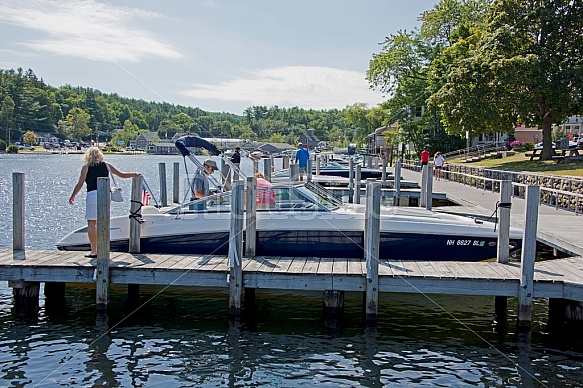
[(561, 278)]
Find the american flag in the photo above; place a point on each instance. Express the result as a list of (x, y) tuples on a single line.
[(146, 196)]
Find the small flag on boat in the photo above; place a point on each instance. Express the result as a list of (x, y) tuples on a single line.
[(146, 196)]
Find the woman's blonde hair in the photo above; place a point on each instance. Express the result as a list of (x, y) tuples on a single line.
[(93, 156), (258, 175)]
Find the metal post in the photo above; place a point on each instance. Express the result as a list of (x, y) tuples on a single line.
[(18, 211), (236, 250), (103, 237)]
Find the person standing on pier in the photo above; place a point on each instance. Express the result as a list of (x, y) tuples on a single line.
[(236, 157), (424, 156), (302, 156), (94, 168), (438, 161)]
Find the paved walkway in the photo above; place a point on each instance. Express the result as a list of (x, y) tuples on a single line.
[(560, 229)]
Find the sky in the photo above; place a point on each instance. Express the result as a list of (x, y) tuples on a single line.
[(218, 55)]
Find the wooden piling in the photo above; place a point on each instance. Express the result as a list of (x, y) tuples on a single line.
[(236, 250), (294, 173), (18, 211), (251, 217), (429, 188), (26, 296), (163, 190), (255, 165), (176, 183), (267, 163), (397, 181), (423, 193), (135, 206), (285, 162), (318, 165), (357, 179), (351, 180), (309, 170), (371, 248), (103, 238), (525, 291), (504, 221), (333, 302), (236, 172), (384, 170)]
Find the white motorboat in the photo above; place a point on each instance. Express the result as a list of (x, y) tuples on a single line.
[(306, 220)]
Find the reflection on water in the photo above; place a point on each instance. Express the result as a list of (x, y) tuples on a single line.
[(182, 337)]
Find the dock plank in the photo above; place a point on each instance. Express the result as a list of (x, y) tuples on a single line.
[(325, 266), (297, 266), (311, 266), (340, 266)]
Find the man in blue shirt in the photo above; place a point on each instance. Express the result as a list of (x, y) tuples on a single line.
[(302, 156)]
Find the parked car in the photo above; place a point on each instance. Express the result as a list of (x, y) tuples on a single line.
[(26, 147), (539, 146)]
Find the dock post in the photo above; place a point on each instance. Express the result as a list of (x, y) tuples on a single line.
[(136, 231), (103, 237), (285, 162), (309, 170), (255, 165), (176, 183), (504, 221), (371, 248), (163, 191), (236, 250), (351, 181), (384, 170), (26, 296), (267, 163), (294, 173), (18, 211), (357, 175), (527, 260), (236, 172), (397, 181), (251, 217), (135, 216), (423, 193), (429, 192), (501, 302), (318, 165)]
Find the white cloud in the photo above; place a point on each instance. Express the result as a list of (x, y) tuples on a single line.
[(303, 86), (86, 29)]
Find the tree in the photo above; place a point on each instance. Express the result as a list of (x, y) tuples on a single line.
[(6, 112), (77, 120), (29, 138), (525, 68)]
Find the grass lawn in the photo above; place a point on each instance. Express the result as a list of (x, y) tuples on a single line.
[(519, 162)]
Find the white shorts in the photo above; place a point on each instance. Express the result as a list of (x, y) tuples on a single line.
[(91, 206)]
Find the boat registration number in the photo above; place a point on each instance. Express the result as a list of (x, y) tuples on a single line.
[(474, 243)]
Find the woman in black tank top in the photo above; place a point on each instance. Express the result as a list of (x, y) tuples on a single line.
[(94, 168)]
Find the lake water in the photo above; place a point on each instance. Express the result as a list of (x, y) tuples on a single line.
[(181, 337)]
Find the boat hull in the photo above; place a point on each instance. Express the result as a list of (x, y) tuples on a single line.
[(336, 244)]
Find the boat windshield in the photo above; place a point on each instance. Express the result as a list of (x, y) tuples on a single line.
[(308, 197)]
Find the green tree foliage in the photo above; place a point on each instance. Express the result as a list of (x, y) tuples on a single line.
[(525, 66), (29, 138), (77, 120)]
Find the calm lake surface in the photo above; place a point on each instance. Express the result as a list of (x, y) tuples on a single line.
[(180, 337)]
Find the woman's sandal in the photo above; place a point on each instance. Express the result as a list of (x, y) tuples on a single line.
[(91, 256)]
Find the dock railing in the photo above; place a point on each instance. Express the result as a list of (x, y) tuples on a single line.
[(565, 193)]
